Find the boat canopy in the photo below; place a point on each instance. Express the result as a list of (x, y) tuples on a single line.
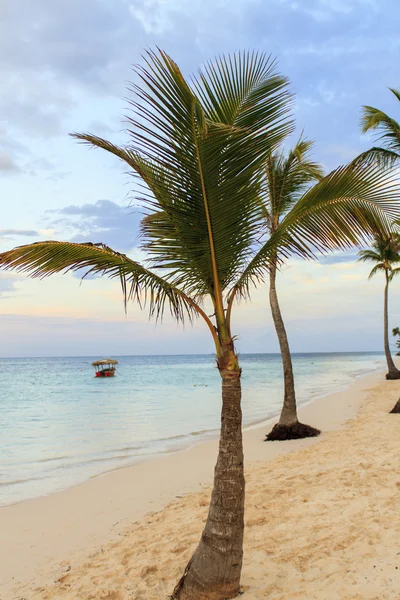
[(104, 361)]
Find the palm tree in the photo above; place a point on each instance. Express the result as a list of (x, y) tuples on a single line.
[(198, 152), (286, 179), (396, 332), (385, 253), (388, 150)]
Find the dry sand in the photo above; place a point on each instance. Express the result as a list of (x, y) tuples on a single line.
[(322, 516)]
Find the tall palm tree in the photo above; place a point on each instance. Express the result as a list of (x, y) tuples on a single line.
[(385, 253), (286, 179), (198, 151), (387, 152)]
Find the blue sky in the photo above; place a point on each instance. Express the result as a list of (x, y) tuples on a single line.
[(65, 67)]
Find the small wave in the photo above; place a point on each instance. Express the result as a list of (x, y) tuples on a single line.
[(46, 460), (125, 448), (19, 481), (202, 432), (172, 437), (185, 436), (104, 459)]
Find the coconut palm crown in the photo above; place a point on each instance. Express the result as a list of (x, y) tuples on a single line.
[(198, 150)]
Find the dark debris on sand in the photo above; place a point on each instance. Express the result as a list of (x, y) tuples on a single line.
[(296, 431)]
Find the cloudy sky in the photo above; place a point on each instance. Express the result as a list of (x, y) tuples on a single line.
[(65, 67)]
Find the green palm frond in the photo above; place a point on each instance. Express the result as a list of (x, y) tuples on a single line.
[(385, 247), (343, 210), (373, 118), (243, 90), (43, 259), (384, 158), (388, 134), (395, 92), (393, 273), (369, 256), (376, 269), (198, 149), (286, 178)]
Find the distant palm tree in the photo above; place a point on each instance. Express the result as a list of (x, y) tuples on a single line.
[(396, 332), (387, 152), (199, 151), (385, 253), (286, 179)]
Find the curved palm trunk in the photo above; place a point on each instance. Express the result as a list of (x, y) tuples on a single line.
[(393, 372), (213, 573), (288, 426), (396, 408)]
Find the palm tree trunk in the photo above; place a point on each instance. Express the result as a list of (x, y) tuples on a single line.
[(393, 372), (289, 409), (213, 573), (288, 426), (396, 408)]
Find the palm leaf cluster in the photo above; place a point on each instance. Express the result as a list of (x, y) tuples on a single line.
[(43, 259), (384, 252), (198, 150), (286, 179), (387, 150), (342, 210)]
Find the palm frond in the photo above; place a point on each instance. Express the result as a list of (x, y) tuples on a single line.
[(287, 177), (43, 259), (345, 209), (245, 91), (381, 156), (198, 149), (395, 92), (394, 272), (376, 269), (388, 128), (369, 256)]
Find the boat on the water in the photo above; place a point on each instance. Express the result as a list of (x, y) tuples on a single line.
[(105, 367)]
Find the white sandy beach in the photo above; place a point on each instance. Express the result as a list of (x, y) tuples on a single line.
[(322, 519)]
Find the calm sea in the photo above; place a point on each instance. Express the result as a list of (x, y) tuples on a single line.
[(59, 425)]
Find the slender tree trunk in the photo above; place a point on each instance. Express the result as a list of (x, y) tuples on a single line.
[(393, 372), (213, 573), (396, 407), (288, 426), (289, 409)]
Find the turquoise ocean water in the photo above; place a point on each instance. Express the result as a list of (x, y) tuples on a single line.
[(59, 425)]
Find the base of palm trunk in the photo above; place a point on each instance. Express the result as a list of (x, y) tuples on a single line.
[(396, 408), (184, 592), (393, 375), (295, 431)]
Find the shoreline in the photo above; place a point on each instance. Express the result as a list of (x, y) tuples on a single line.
[(193, 439), (40, 534)]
